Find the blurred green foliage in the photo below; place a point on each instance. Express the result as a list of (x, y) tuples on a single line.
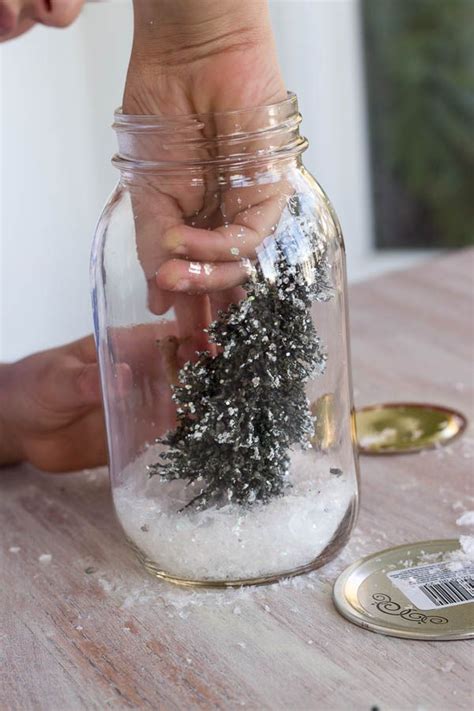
[(420, 81)]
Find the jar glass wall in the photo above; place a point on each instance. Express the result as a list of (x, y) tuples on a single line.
[(220, 314)]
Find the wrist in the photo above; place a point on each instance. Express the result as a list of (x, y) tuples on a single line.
[(173, 32), (183, 64)]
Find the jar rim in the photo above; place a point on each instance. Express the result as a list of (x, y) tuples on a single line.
[(132, 122), (223, 140)]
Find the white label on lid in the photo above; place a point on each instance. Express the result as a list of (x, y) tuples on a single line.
[(435, 585)]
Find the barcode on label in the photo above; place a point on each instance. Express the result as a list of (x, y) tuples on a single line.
[(435, 585), (450, 592)]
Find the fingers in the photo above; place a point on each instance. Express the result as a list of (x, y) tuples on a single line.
[(178, 251), (88, 384), (122, 380), (72, 381), (69, 385), (155, 211), (226, 243), (196, 278), (159, 301), (193, 315), (84, 349), (222, 256), (80, 444)]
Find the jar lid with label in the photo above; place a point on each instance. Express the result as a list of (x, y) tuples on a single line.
[(423, 590)]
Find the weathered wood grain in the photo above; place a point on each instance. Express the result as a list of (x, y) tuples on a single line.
[(114, 638)]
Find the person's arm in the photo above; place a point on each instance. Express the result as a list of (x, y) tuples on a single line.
[(51, 410), (201, 56)]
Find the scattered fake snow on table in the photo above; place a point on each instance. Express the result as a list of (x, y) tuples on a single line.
[(466, 519), (467, 547), (232, 542), (447, 666), (181, 602)]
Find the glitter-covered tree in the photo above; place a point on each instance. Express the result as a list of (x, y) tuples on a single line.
[(239, 412)]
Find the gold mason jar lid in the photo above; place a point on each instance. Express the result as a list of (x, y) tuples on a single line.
[(423, 591), (397, 428)]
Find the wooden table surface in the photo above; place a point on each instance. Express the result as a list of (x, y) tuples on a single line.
[(90, 630)]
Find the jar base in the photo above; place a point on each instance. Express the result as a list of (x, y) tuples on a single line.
[(337, 542)]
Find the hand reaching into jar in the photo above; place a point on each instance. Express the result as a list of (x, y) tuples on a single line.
[(196, 246)]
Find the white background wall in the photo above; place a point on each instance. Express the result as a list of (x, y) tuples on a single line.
[(59, 90)]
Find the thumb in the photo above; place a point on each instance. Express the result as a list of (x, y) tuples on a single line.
[(89, 384), (76, 386)]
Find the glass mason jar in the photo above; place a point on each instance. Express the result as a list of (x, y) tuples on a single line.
[(219, 298)]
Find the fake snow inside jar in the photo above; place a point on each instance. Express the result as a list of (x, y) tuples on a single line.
[(219, 302)]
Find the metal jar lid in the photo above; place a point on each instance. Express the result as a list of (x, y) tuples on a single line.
[(424, 590), (404, 427)]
